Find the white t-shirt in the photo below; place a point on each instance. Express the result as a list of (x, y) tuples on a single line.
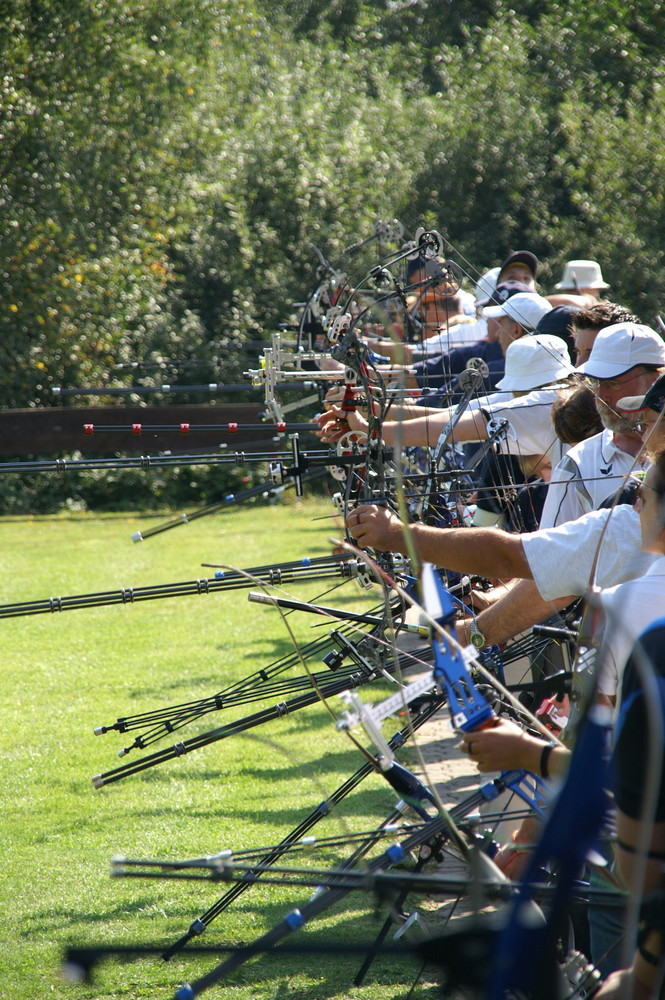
[(629, 609), (588, 473), (497, 398), (530, 430), (561, 559)]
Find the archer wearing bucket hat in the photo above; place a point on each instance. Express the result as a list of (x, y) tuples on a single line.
[(581, 285), (582, 276), (532, 362)]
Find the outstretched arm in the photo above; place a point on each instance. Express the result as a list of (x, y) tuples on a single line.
[(477, 551)]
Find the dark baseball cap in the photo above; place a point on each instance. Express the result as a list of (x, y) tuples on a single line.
[(521, 257), (653, 399), (557, 321), (503, 291)]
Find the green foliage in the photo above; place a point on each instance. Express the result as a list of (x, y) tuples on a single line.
[(164, 169), (304, 158), (124, 489), (90, 110)]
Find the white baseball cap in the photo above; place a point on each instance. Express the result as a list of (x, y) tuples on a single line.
[(526, 308), (534, 361), (486, 285), (621, 347)]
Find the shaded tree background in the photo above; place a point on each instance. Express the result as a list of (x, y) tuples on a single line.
[(165, 166)]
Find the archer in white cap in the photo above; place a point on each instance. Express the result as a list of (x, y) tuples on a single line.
[(524, 310), (625, 358), (621, 348)]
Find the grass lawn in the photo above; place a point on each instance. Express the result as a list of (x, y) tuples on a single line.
[(63, 674)]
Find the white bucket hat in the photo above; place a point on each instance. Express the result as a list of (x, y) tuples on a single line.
[(579, 274), (534, 361), (622, 346), (526, 308)]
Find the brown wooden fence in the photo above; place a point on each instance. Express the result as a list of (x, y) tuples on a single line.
[(61, 429)]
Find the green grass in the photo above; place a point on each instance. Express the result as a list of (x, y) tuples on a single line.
[(64, 674)]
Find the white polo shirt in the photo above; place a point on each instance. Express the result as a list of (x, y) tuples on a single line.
[(562, 559), (589, 473), (629, 609)]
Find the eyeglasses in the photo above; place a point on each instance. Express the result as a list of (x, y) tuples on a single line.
[(611, 383)]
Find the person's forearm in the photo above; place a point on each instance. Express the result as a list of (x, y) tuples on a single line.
[(425, 431), (531, 757), (476, 551), (411, 411), (520, 607)]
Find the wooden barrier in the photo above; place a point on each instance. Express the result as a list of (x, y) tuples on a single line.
[(45, 430)]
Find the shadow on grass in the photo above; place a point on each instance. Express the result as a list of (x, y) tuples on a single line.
[(184, 682), (45, 921), (309, 975), (312, 975), (374, 803)]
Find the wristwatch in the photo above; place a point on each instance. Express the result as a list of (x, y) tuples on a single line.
[(476, 637)]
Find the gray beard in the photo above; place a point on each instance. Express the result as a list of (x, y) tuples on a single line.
[(613, 421)]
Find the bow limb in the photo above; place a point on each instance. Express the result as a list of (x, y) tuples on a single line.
[(469, 709), (525, 956)]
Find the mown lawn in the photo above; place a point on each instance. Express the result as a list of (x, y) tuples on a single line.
[(63, 674)]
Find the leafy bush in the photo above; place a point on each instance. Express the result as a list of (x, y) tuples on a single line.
[(165, 169)]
